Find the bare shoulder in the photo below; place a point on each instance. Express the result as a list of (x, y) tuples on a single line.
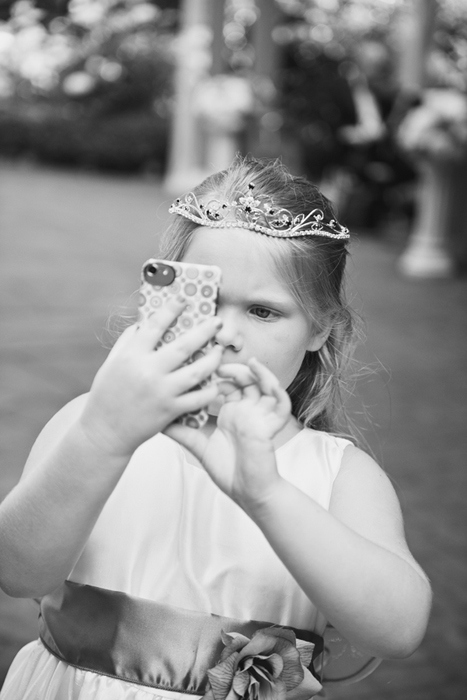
[(53, 431), (361, 473), (364, 499)]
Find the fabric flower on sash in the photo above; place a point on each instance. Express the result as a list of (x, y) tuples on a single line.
[(272, 665)]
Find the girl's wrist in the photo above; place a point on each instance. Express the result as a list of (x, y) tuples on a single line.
[(273, 506), (101, 446), (260, 503)]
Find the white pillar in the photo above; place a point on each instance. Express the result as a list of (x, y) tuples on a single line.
[(415, 34), (194, 59), (221, 148), (264, 132), (426, 254)]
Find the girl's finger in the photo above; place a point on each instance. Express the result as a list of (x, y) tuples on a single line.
[(233, 396), (127, 336), (151, 329), (241, 375), (226, 386), (252, 392), (199, 370), (270, 386), (284, 404), (267, 381), (195, 400), (175, 353)]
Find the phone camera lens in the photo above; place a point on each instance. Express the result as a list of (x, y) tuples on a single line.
[(159, 274)]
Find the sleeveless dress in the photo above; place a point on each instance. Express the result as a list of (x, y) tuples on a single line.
[(168, 534)]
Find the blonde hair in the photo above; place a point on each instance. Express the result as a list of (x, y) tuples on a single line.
[(313, 269)]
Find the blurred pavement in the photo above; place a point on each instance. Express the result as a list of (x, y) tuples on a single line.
[(71, 246)]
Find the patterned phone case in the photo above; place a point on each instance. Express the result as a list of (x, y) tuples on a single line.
[(199, 284)]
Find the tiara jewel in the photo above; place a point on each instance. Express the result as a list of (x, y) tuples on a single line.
[(257, 213)]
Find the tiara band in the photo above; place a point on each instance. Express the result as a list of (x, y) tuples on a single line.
[(257, 213)]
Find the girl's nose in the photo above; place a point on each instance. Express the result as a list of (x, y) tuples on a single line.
[(229, 336)]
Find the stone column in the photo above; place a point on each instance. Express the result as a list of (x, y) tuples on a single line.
[(221, 148), (193, 48), (427, 253), (264, 132), (415, 38)]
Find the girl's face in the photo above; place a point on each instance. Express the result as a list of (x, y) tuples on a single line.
[(261, 317)]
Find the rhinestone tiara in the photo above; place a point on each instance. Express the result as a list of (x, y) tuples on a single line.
[(257, 213)]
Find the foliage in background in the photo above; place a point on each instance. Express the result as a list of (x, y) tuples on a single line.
[(437, 127), (91, 87), (325, 44), (336, 27), (333, 47), (74, 69), (448, 60)]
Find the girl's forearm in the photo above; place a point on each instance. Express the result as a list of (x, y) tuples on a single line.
[(383, 606), (47, 518)]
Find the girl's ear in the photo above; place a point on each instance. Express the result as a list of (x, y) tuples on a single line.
[(317, 340)]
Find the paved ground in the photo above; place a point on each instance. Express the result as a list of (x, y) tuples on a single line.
[(71, 247)]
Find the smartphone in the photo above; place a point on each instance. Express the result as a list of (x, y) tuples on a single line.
[(199, 284)]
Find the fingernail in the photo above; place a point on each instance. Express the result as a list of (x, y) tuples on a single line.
[(218, 323), (181, 298)]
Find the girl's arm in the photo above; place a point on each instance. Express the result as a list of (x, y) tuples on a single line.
[(352, 561), (79, 457), (47, 518)]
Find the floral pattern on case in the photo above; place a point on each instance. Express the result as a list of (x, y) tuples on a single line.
[(199, 284)]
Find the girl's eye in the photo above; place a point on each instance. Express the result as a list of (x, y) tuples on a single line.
[(261, 312)]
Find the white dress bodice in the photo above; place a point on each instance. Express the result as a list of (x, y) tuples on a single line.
[(167, 533)]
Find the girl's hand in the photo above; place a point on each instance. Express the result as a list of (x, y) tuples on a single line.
[(265, 405), (138, 391), (239, 454)]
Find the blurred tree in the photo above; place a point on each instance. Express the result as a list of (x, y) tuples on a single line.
[(79, 64), (447, 62), (51, 8), (59, 8)]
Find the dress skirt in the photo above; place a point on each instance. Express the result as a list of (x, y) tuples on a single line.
[(36, 674)]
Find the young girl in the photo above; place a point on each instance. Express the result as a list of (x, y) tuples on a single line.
[(171, 560)]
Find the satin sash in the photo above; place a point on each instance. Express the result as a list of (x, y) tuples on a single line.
[(139, 640)]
